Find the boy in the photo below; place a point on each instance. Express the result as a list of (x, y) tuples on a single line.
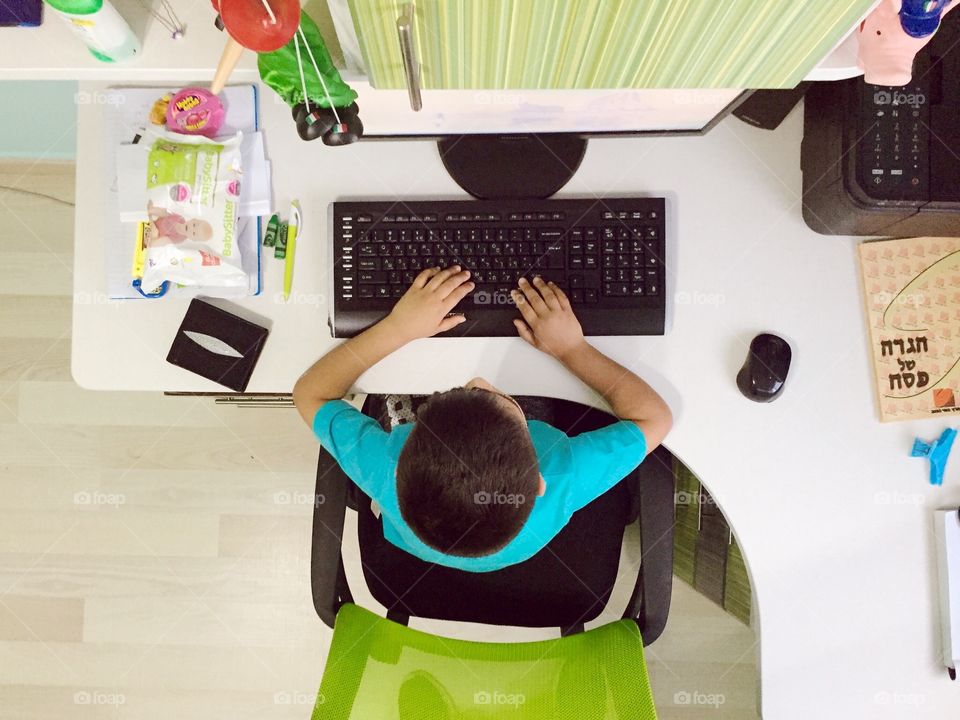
[(472, 484)]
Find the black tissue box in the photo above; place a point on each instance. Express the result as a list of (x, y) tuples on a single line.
[(217, 345)]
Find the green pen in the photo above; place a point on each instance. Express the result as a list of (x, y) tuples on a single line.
[(270, 236)]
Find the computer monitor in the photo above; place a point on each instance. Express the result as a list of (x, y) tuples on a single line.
[(528, 143)]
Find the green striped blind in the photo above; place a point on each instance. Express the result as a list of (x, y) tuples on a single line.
[(556, 44)]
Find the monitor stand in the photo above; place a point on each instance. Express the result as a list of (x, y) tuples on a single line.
[(493, 167)]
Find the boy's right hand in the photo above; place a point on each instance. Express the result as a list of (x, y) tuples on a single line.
[(424, 310), (548, 320)]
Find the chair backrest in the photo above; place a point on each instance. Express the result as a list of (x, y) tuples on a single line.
[(378, 668), (565, 585)]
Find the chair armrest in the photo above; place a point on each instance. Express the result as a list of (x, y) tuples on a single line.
[(327, 577), (649, 604)]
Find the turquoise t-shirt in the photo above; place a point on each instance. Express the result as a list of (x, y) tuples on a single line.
[(576, 471)]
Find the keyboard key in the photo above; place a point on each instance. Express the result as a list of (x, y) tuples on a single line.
[(575, 281), (366, 291), (368, 264), (616, 289), (366, 249), (590, 262), (554, 255), (367, 277), (382, 291), (576, 296), (636, 288), (576, 262), (590, 295)]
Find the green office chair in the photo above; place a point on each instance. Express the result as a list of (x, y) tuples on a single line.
[(380, 669)]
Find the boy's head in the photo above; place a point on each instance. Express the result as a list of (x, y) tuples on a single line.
[(468, 473)]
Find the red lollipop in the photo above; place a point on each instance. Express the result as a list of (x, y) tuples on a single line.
[(261, 25), (258, 25)]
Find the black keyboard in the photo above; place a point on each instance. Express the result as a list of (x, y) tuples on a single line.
[(608, 255)]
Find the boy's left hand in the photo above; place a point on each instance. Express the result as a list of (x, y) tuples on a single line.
[(424, 309)]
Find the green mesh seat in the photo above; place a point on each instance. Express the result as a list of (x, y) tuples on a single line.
[(380, 670)]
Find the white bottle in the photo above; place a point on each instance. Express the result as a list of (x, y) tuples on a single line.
[(105, 32)]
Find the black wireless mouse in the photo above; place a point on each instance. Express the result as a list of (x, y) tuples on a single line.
[(763, 374)]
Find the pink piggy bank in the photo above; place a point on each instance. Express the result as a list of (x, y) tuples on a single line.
[(886, 51)]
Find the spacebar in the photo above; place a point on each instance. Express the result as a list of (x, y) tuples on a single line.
[(498, 322)]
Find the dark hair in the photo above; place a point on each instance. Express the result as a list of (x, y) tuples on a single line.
[(466, 478)]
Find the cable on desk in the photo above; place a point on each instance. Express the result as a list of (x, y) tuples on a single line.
[(22, 191)]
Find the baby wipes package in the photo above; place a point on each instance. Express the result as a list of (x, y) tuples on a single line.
[(193, 188)]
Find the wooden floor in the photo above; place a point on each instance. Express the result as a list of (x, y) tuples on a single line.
[(154, 551)]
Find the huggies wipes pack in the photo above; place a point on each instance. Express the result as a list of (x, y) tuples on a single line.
[(193, 186)]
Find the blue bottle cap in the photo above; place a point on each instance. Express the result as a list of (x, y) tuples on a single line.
[(920, 18)]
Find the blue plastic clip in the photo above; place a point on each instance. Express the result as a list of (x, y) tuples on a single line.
[(937, 452), (158, 293)]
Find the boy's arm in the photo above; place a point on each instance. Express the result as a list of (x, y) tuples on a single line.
[(423, 311), (550, 325)]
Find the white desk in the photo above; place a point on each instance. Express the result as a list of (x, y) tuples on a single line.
[(832, 514)]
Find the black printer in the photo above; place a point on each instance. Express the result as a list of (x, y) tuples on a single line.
[(880, 160)]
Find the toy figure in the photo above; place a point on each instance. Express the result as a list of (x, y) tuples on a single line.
[(303, 74), (893, 34)]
